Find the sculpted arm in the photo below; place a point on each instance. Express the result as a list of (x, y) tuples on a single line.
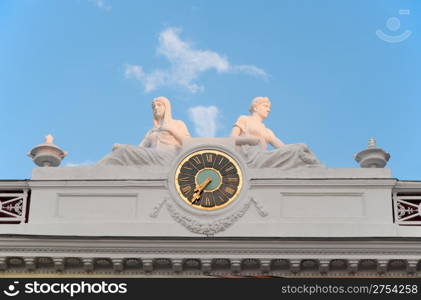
[(180, 132), (274, 141), (236, 131), (239, 127), (146, 141)]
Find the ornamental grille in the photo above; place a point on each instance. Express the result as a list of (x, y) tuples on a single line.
[(14, 207), (407, 208)]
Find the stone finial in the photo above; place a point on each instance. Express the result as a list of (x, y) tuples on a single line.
[(372, 157), (47, 154), (49, 139), (372, 143)]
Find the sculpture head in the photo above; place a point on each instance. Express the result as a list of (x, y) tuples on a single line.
[(260, 106), (161, 108)]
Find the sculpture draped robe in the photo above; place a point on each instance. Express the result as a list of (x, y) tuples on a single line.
[(285, 157), (160, 145)]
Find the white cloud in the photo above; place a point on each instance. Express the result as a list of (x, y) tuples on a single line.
[(186, 65), (204, 120), (102, 4), (252, 70), (150, 81), (85, 163)]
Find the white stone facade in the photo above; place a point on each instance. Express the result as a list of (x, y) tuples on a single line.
[(130, 220)]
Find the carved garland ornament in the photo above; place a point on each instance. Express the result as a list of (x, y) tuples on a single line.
[(206, 228)]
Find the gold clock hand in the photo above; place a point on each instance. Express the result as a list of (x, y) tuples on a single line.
[(199, 189), (201, 186)]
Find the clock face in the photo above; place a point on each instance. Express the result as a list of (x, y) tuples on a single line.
[(208, 179)]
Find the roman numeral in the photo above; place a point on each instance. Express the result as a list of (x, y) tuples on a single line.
[(185, 179), (186, 189), (229, 190), (207, 200), (219, 197), (229, 168), (196, 160)]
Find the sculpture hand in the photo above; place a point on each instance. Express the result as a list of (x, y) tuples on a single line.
[(199, 189)]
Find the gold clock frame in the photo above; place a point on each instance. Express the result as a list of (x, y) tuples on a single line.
[(217, 152)]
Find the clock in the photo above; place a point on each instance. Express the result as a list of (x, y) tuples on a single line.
[(208, 179)]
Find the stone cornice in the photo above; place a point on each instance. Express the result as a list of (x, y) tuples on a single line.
[(198, 257), (14, 184), (146, 183), (413, 186), (214, 246), (302, 182)]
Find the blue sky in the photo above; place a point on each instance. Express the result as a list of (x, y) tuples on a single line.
[(87, 70)]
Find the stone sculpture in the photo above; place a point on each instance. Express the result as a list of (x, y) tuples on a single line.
[(258, 137), (159, 145)]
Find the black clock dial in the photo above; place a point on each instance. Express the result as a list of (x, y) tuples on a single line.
[(208, 179)]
